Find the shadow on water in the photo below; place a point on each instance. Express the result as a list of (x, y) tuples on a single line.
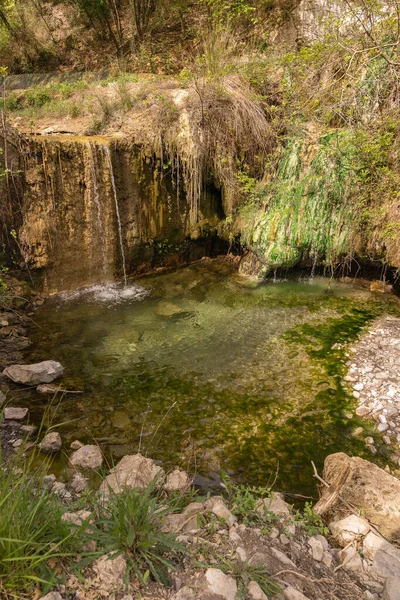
[(207, 371)]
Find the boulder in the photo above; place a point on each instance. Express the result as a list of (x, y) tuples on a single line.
[(51, 442), (349, 529), (43, 372), (87, 457), (392, 589), (132, 471), (220, 584), (368, 488), (177, 481), (15, 414)]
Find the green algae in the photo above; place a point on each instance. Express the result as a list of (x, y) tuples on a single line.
[(236, 377)]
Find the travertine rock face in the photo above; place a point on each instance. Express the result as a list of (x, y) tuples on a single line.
[(368, 488), (82, 192)]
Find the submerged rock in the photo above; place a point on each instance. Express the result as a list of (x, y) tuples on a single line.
[(51, 442), (15, 414), (43, 372), (132, 471), (367, 488), (87, 457)]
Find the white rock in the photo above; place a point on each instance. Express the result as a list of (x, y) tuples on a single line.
[(78, 483), (274, 504), (350, 559), (43, 372), (76, 444), (391, 590), (15, 414), (217, 506), (132, 471), (254, 592), (185, 593), (292, 594), (241, 552), (384, 556), (358, 387), (317, 550), (87, 457), (177, 481), (220, 584), (327, 559), (76, 518), (109, 574), (51, 442), (349, 529), (52, 596), (285, 560)]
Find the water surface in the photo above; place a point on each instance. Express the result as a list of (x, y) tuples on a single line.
[(202, 369)]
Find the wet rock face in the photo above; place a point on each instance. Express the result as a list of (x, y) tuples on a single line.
[(82, 193)]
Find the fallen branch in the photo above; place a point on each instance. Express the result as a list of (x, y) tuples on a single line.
[(330, 498)]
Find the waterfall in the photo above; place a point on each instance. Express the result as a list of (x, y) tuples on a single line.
[(111, 171), (96, 200)]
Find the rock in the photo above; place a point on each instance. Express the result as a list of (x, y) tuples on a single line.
[(384, 556), (15, 414), (49, 480), (317, 549), (52, 596), (78, 483), (167, 309), (51, 442), (185, 593), (109, 574), (217, 506), (350, 559), (292, 594), (391, 590), (241, 552), (327, 559), (59, 489), (77, 518), (254, 592), (177, 481), (47, 389), (349, 529), (285, 560), (87, 457), (75, 445), (43, 372), (274, 504), (381, 287), (132, 471), (368, 488), (28, 431), (362, 411), (220, 584), (180, 523)]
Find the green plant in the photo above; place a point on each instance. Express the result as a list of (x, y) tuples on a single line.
[(38, 97), (250, 504), (32, 532), (131, 523), (310, 521)]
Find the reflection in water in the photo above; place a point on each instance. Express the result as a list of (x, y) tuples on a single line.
[(205, 370)]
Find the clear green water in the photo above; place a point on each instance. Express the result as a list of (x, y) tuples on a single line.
[(209, 371)]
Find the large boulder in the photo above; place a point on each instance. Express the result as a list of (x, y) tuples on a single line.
[(43, 372), (369, 489), (132, 471)]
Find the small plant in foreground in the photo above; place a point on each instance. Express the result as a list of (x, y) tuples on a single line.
[(131, 524), (310, 521), (247, 504)]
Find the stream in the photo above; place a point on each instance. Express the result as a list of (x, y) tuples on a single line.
[(202, 369)]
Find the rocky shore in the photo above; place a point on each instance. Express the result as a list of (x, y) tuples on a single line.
[(374, 379)]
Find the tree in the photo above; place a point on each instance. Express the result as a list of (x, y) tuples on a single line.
[(142, 11)]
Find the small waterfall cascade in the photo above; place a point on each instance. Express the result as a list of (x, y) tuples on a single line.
[(107, 154), (95, 193)]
